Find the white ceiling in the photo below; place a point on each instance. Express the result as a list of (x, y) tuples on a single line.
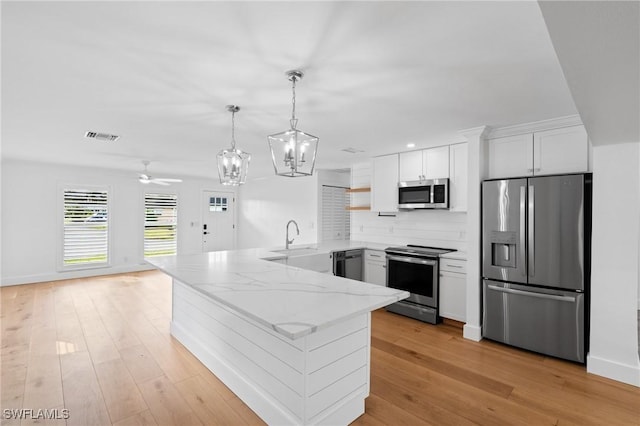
[(378, 75), (600, 57)]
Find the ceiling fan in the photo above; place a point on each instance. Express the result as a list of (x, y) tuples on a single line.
[(146, 178)]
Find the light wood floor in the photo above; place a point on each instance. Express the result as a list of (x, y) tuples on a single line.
[(101, 348)]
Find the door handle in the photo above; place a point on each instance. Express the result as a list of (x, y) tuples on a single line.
[(532, 228), (523, 256), (533, 294)]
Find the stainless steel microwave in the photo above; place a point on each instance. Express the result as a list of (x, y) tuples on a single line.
[(424, 194)]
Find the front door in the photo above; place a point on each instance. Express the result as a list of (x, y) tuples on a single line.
[(218, 221)]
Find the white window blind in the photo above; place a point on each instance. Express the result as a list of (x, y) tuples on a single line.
[(160, 224), (336, 219), (86, 227)]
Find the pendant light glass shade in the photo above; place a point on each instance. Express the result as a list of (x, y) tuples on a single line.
[(233, 164), (293, 152)]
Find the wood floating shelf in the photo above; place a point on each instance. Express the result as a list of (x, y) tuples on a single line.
[(352, 190), (358, 207)]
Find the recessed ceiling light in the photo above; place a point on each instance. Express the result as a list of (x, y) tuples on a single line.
[(411, 145)]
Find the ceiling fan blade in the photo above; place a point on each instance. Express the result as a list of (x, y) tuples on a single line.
[(159, 182)]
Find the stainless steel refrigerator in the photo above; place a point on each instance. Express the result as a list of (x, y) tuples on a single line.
[(536, 263)]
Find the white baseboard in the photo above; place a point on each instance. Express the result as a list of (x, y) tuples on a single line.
[(472, 332), (629, 374), (67, 275)]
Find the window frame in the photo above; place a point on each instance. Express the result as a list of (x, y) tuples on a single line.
[(144, 216), (62, 188)]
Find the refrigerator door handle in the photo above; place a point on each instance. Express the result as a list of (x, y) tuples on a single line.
[(522, 256), (532, 240), (533, 294)]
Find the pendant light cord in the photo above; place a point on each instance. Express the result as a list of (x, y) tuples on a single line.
[(233, 130), (293, 100), (294, 121)]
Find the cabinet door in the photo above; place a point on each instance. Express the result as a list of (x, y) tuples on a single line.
[(453, 296), (410, 166), (563, 150), (458, 167), (375, 273), (436, 162), (384, 184), (511, 156)]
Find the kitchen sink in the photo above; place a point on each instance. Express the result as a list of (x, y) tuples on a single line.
[(297, 251)]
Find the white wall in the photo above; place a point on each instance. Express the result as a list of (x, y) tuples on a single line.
[(267, 204), (32, 218), (434, 228), (614, 283)]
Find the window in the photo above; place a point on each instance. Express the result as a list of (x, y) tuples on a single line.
[(336, 220), (160, 224), (218, 204), (86, 228)]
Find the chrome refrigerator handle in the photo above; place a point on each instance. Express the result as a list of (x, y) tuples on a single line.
[(532, 239), (533, 294), (523, 197)]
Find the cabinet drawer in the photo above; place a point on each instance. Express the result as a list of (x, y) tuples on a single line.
[(375, 255), (453, 265)]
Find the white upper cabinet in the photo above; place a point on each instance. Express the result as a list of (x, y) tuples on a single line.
[(563, 150), (436, 162), (410, 166), (432, 163), (384, 184), (511, 156), (458, 172)]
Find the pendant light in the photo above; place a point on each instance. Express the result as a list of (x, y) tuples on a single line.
[(233, 163), (293, 152)]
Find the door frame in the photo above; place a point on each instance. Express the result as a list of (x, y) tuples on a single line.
[(233, 195)]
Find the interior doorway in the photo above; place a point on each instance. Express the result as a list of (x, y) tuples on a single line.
[(218, 221)]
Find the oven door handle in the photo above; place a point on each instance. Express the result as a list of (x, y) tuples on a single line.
[(431, 262)]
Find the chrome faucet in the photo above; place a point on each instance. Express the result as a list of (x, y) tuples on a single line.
[(289, 241)]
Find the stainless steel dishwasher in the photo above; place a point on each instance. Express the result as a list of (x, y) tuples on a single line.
[(348, 264)]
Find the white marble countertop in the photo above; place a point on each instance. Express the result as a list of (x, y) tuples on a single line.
[(324, 247), (458, 255), (292, 301)]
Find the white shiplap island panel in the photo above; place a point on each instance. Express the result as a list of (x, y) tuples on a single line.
[(293, 344)]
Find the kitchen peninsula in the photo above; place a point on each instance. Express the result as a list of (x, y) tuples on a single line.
[(293, 344)]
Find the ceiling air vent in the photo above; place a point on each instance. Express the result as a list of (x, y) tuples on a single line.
[(352, 150), (101, 136)]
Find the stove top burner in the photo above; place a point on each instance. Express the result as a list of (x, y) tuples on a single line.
[(419, 250)]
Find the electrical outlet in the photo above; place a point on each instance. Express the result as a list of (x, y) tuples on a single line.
[(361, 228), (391, 229)]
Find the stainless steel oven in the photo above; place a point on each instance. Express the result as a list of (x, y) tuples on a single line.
[(415, 269)]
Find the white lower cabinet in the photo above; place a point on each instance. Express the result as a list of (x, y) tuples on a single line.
[(453, 289), (375, 267)]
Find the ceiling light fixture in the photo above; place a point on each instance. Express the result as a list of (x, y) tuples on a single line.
[(233, 164), (293, 152), (411, 145)]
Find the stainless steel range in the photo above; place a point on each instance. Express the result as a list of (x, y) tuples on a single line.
[(416, 270)]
